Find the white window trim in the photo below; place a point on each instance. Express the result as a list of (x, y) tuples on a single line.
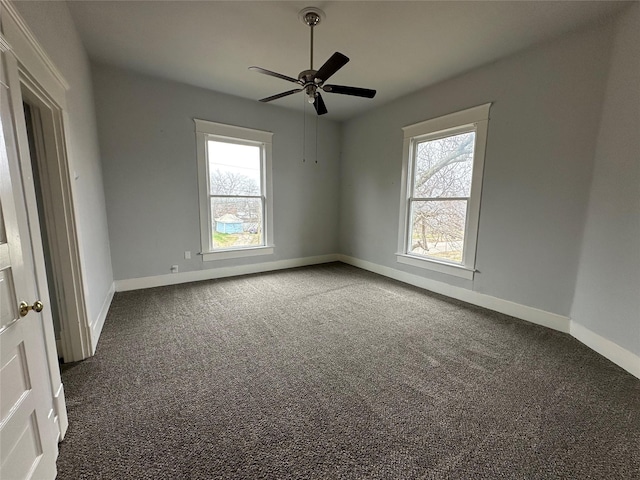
[(204, 130), (478, 119)]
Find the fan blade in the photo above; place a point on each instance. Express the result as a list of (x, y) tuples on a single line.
[(280, 95), (273, 74), (331, 66), (344, 90), (319, 105)]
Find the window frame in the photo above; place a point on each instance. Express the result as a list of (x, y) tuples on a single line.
[(206, 130), (472, 119)]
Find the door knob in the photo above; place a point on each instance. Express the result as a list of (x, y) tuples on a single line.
[(25, 307)]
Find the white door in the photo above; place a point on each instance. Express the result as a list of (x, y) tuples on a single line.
[(28, 433)]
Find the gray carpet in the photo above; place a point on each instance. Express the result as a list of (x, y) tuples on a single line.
[(331, 372)]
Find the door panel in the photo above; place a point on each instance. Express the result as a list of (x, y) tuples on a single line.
[(28, 434), (7, 293), (14, 382), (25, 457)]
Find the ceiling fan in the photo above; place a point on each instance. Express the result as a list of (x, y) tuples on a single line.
[(312, 81)]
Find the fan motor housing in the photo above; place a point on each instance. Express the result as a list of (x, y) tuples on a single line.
[(307, 76)]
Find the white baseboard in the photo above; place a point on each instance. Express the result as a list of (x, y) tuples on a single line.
[(608, 349), (98, 323), (530, 314), (209, 274)]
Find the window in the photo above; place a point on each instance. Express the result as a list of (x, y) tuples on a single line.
[(234, 172), (442, 179)]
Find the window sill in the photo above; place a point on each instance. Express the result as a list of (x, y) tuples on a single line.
[(441, 267), (237, 253)]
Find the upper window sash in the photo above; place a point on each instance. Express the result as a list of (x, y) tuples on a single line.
[(238, 141), (414, 141)]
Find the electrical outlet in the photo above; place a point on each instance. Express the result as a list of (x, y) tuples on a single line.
[(174, 268), (187, 255)]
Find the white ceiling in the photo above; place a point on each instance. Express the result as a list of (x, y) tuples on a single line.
[(395, 47)]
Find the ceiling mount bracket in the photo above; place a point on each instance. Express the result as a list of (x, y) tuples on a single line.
[(311, 16)]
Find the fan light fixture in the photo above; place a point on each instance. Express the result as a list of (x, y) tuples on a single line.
[(311, 81)]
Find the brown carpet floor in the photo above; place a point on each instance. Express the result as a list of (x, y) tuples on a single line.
[(331, 372)]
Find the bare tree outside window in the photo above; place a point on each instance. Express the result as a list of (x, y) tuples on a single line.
[(442, 173), (224, 182)]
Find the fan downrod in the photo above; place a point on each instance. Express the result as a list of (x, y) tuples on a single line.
[(311, 16)]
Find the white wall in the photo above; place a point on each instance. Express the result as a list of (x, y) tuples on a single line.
[(540, 150), (607, 299), (54, 29), (147, 140)]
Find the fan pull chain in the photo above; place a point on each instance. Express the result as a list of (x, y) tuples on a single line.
[(304, 131), (317, 120)]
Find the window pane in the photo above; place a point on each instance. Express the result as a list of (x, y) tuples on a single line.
[(437, 229), (236, 222), (233, 169), (443, 167)]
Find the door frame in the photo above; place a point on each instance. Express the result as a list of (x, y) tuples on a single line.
[(59, 219)]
